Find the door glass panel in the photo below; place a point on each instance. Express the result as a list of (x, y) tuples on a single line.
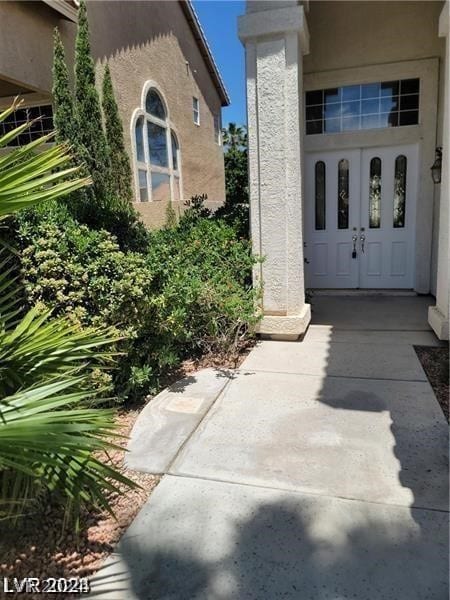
[(320, 194), (400, 191), (343, 194), (375, 193)]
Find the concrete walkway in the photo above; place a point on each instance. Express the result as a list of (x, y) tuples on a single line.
[(317, 471)]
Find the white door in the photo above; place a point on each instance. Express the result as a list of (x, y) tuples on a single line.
[(360, 218)]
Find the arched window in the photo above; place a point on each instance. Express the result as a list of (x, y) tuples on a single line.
[(156, 150)]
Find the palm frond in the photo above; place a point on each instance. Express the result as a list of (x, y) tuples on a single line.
[(49, 439), (45, 440)]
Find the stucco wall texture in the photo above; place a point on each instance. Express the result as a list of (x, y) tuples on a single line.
[(358, 34), (141, 41), (144, 41)]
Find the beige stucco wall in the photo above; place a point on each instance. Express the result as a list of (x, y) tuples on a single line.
[(144, 41), (350, 42), (141, 41), (353, 34), (26, 44)]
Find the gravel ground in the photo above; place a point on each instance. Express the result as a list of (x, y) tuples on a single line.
[(435, 364), (40, 547)]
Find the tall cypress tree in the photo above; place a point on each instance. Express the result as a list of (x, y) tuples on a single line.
[(63, 113), (91, 137), (119, 160)]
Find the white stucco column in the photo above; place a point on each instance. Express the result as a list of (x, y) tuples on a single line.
[(275, 36), (438, 316)]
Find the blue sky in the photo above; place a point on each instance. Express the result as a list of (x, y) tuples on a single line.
[(219, 22)]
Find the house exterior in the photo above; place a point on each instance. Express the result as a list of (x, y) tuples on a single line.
[(348, 108), (167, 85)]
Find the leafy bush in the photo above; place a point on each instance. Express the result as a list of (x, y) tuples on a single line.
[(189, 294), (82, 273), (235, 210)]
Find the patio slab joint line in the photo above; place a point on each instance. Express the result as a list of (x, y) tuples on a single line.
[(181, 448), (306, 493), (303, 374)]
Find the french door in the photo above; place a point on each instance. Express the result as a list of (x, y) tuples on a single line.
[(360, 217)]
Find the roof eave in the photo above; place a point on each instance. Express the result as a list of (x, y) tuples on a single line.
[(65, 9)]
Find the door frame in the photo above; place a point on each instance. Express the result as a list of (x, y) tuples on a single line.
[(427, 70), (412, 204)]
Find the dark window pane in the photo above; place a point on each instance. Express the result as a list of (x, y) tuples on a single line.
[(320, 195), (332, 125), (35, 130), (400, 191), (314, 97), (389, 88), (174, 151), (389, 103), (343, 187), (410, 117), (140, 139), (410, 86), (47, 111), (375, 193), (389, 119), (393, 119), (332, 95), (157, 143), (314, 112), (154, 105), (370, 90), (313, 127), (409, 102), (47, 124), (351, 92)]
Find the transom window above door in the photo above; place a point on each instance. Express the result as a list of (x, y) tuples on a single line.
[(366, 106), (156, 150)]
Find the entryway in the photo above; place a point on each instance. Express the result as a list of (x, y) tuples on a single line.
[(360, 217), (315, 470)]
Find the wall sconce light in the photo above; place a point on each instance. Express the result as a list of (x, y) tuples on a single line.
[(436, 169)]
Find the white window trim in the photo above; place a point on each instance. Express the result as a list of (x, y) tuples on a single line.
[(196, 111), (218, 135), (147, 166)]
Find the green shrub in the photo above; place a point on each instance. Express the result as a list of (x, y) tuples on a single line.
[(83, 274), (189, 294)]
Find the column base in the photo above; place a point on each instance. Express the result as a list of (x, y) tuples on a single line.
[(288, 328), (438, 322)]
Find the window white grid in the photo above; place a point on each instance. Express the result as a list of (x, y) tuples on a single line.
[(156, 152), (362, 106), (44, 124), (217, 130), (196, 110)]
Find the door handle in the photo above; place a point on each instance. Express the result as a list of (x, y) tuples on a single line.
[(362, 239), (354, 240)]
